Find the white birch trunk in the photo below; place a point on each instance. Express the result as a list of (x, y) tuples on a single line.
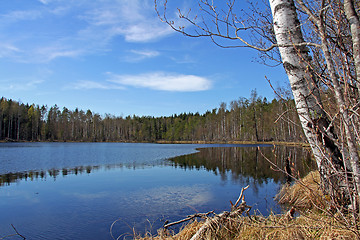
[(306, 95), (304, 85)]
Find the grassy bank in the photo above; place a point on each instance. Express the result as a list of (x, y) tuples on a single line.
[(309, 217)]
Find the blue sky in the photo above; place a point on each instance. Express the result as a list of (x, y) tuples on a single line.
[(117, 57)]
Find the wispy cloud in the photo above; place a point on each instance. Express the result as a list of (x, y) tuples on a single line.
[(7, 50), (16, 16), (186, 59), (143, 32), (49, 53), (19, 85), (139, 55), (44, 1), (163, 81), (88, 85), (79, 28), (146, 53), (134, 20)]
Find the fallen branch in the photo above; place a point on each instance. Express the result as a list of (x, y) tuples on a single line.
[(188, 218), (236, 209)]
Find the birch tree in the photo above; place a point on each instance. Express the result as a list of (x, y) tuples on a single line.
[(305, 87), (314, 51)]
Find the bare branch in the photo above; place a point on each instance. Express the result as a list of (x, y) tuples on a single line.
[(204, 30)]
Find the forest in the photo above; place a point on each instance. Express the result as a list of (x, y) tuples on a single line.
[(253, 119)]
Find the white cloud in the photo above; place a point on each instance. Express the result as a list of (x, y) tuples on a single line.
[(164, 81)]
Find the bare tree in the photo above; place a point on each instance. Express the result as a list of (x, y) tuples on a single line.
[(319, 22)]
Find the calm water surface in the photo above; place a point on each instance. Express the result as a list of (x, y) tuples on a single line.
[(77, 190)]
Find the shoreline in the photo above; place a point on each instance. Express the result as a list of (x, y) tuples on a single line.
[(290, 144)]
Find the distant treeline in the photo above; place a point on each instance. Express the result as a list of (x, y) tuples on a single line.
[(253, 119)]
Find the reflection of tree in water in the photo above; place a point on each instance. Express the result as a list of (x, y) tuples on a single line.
[(8, 178), (244, 164)]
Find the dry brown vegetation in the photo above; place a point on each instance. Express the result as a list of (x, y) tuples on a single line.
[(314, 218)]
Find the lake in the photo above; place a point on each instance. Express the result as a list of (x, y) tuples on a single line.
[(78, 190)]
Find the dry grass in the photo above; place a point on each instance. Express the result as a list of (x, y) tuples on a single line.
[(304, 194), (311, 226), (310, 222)]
